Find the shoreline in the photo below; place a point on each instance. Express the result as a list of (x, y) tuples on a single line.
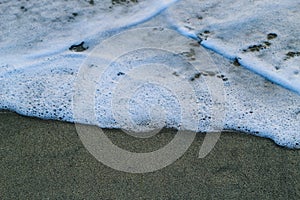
[(46, 159)]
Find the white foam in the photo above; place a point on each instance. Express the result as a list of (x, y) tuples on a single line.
[(34, 31), (37, 77), (37, 70)]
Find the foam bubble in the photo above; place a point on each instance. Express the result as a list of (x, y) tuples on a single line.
[(37, 73)]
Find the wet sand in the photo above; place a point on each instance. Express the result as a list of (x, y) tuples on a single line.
[(41, 159)]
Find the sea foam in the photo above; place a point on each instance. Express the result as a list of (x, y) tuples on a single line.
[(168, 78)]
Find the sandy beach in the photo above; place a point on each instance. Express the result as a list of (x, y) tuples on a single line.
[(43, 159), (232, 62)]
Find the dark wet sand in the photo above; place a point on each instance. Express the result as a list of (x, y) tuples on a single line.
[(46, 160)]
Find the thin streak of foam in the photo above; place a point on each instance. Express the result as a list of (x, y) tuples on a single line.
[(251, 65), (94, 37), (249, 62)]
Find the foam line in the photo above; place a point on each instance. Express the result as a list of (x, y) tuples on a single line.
[(243, 35), (95, 38)]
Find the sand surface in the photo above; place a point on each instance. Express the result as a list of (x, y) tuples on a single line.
[(42, 159)]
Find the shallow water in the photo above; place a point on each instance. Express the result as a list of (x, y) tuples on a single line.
[(148, 78)]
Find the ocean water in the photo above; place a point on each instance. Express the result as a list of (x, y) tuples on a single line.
[(192, 65)]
